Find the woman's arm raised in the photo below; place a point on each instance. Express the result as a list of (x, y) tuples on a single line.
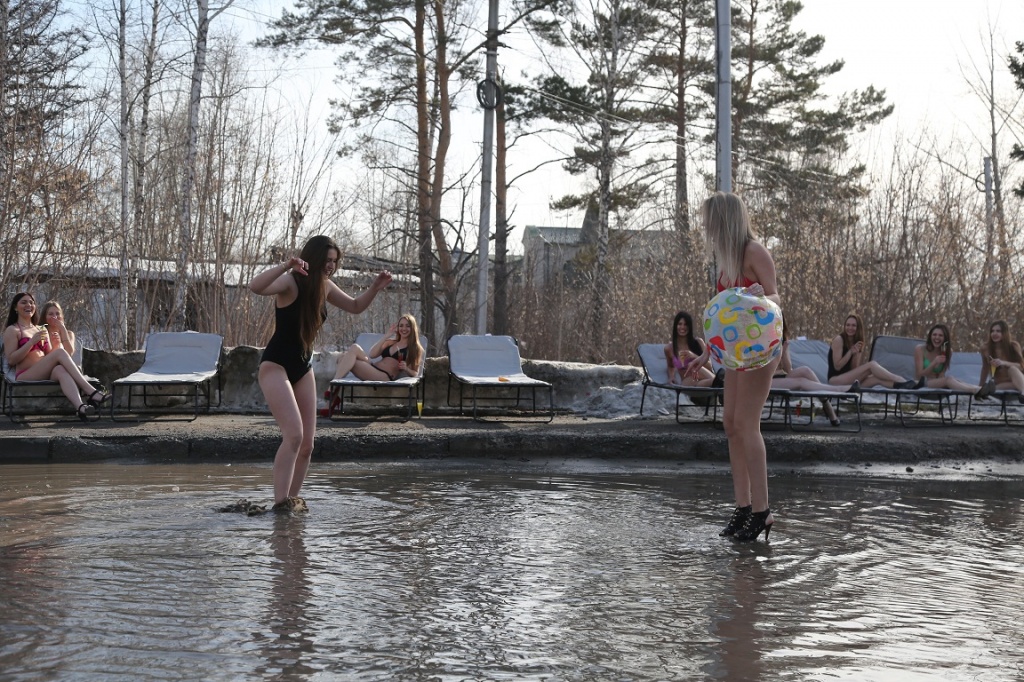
[(274, 281), (340, 299)]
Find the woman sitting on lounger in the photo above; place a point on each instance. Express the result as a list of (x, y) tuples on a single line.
[(399, 351), (52, 315), (36, 354), (932, 359), (804, 379), (684, 349), (846, 361), (1001, 360)]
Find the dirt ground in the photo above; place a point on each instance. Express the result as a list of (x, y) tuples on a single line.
[(881, 445)]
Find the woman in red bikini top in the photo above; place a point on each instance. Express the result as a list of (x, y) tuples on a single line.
[(743, 261), (38, 355)]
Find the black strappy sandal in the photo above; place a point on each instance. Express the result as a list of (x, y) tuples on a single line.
[(104, 398), (84, 411)]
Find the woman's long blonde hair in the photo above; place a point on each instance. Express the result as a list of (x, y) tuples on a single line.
[(727, 229), (414, 354)]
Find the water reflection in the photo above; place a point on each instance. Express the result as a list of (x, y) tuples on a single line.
[(286, 652), (430, 572), (738, 622)]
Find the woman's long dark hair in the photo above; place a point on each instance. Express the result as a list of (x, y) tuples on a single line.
[(947, 344), (691, 343), (12, 314), (312, 292), (1007, 349)]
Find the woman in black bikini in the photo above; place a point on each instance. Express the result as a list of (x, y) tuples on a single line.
[(846, 363), (399, 351), (302, 288), (37, 353)]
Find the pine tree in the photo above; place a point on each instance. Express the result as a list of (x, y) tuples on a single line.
[(1016, 65), (605, 111), (402, 57), (681, 64), (785, 135)]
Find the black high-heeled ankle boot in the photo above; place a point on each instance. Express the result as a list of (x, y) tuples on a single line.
[(737, 521), (754, 525)]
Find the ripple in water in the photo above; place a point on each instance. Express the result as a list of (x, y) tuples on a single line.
[(431, 573)]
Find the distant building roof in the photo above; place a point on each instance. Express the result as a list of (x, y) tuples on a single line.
[(554, 235), (231, 274)]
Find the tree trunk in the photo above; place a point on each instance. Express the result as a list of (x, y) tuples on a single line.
[(682, 190), (141, 172), (449, 282), (189, 175), (423, 179), (122, 130)]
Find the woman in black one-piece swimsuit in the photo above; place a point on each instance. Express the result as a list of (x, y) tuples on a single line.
[(301, 288)]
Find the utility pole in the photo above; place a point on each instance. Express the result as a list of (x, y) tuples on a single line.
[(723, 96), (988, 195), (487, 93)]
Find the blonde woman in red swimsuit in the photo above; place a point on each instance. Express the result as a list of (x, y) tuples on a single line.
[(37, 354), (742, 261)]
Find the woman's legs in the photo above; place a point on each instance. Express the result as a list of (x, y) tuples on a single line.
[(869, 374), (745, 395), (305, 397), (952, 384), (1016, 382), (58, 366), (704, 378), (290, 405), (792, 382), (348, 359), (67, 386)]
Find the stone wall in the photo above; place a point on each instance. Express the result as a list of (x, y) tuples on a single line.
[(576, 386)]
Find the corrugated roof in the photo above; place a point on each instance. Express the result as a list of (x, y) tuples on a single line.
[(554, 235)]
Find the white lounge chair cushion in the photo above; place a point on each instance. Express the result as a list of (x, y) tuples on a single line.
[(488, 360), (178, 357)]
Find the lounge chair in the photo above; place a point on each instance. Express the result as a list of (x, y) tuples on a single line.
[(176, 378), (652, 359), (896, 354), (810, 353), (352, 388), (813, 353), (487, 367), (967, 367), (38, 397)]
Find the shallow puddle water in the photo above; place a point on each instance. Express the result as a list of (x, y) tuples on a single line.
[(503, 571)]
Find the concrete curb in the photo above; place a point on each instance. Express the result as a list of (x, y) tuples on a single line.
[(256, 438)]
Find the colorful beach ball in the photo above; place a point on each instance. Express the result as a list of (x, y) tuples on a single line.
[(742, 331)]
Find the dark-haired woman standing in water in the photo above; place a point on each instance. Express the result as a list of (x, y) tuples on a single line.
[(301, 288)]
